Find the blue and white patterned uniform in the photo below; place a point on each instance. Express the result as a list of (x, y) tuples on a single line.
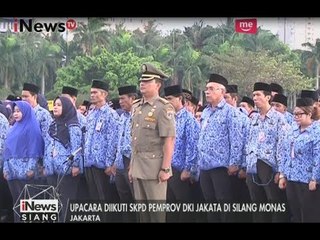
[(4, 127), (220, 142), (289, 117), (266, 140), (124, 145), (17, 168), (44, 118), (101, 137), (55, 162), (303, 154), (185, 156), (245, 126)]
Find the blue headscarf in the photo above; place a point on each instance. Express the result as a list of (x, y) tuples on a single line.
[(24, 138), (58, 129)]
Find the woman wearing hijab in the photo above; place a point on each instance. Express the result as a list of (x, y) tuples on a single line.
[(64, 139), (22, 149)]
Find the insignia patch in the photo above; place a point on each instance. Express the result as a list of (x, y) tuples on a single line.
[(170, 114), (143, 68), (150, 119)]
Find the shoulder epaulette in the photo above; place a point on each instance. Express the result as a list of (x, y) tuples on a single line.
[(136, 101), (164, 101)]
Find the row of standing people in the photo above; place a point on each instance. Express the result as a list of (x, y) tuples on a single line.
[(224, 144)]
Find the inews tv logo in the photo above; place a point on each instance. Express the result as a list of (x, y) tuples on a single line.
[(39, 206), (30, 25)]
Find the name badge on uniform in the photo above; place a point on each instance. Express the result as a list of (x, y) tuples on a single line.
[(54, 152), (99, 126), (261, 137), (292, 150)]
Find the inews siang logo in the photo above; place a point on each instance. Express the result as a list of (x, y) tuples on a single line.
[(30, 25), (39, 210)]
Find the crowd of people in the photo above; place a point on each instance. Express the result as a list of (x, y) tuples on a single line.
[(145, 148)]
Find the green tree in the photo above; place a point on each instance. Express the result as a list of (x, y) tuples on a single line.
[(147, 40), (91, 34), (313, 60), (118, 69), (8, 48), (246, 68)]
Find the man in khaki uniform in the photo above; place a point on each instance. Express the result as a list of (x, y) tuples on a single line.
[(153, 136)]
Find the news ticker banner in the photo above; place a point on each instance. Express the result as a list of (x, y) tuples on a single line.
[(48, 210), (96, 211)]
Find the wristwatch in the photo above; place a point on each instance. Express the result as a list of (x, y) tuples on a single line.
[(166, 170)]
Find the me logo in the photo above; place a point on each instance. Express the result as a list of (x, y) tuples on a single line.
[(29, 25), (39, 210), (246, 26), (39, 205)]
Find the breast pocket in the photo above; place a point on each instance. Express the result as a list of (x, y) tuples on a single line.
[(149, 129)]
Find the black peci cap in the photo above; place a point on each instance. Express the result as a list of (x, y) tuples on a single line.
[(310, 94), (11, 97), (86, 103), (70, 90), (248, 100), (275, 87), (280, 98), (261, 86), (31, 87), (100, 84), (232, 88), (127, 89), (304, 102), (218, 79), (174, 90)]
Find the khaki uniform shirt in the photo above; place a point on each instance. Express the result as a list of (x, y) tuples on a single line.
[(152, 121)]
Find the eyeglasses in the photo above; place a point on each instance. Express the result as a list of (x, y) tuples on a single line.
[(211, 89), (298, 114)]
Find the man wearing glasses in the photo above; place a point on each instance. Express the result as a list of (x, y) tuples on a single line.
[(220, 146)]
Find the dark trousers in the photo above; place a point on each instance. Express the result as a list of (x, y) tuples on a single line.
[(82, 191), (241, 195), (216, 187), (304, 204), (178, 192), (263, 189), (16, 186), (100, 188), (125, 190), (6, 205), (197, 197), (67, 186)]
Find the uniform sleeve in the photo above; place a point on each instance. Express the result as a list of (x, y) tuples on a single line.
[(166, 121), (316, 159), (112, 138), (75, 140), (192, 136), (245, 137), (4, 127), (283, 131), (236, 139)]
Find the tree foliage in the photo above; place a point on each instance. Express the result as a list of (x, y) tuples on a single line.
[(98, 51)]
